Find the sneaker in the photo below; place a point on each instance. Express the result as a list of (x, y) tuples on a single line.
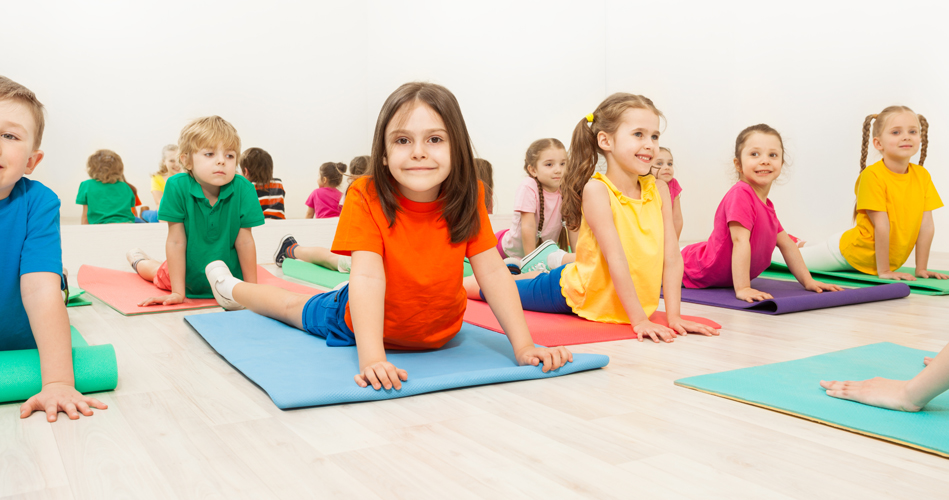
[(513, 265), (217, 272), (539, 267), (282, 250), (531, 261), (136, 255)]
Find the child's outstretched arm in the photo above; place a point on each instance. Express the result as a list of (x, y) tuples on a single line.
[(924, 242), (501, 294), (247, 254), (44, 306), (672, 267), (903, 395), (528, 232), (176, 247), (367, 293), (741, 264), (795, 262), (881, 246)]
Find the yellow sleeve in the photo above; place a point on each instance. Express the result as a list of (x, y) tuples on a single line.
[(158, 183), (931, 199), (871, 192)]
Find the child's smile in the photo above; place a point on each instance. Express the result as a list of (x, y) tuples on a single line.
[(418, 153)]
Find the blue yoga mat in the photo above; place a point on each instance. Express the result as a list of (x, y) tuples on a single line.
[(297, 369), (793, 387)]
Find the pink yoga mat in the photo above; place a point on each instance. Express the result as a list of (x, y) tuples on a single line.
[(566, 329), (123, 290)]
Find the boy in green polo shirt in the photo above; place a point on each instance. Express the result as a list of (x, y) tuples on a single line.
[(210, 213)]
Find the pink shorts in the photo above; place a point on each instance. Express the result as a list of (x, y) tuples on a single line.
[(162, 278), (499, 235)]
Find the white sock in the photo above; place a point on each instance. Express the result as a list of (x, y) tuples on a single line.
[(226, 287), (555, 259), (345, 264)]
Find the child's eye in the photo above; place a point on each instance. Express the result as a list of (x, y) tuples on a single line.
[(9, 137), (209, 154), (402, 140), (914, 132), (655, 137), (436, 139), (638, 134), (774, 155), (754, 153)]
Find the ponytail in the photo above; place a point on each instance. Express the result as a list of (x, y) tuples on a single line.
[(923, 138)]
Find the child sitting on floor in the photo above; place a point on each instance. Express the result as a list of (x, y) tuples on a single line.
[(421, 203), (106, 198), (257, 167), (210, 213), (31, 302), (663, 170), (323, 202)]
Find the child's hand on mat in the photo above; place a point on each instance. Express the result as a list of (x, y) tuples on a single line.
[(55, 398), (922, 273), (164, 300), (654, 331), (751, 295), (551, 357), (893, 275), (683, 327), (382, 374), (881, 392), (817, 286)]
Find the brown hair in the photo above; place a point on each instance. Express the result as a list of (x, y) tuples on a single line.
[(486, 176), (333, 172), (460, 190), (162, 169), (257, 165), (530, 160), (359, 165), (13, 91), (879, 121), (585, 151), (206, 132), (760, 128), (106, 167)]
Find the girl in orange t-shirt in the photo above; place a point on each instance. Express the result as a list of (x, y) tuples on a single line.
[(421, 202)]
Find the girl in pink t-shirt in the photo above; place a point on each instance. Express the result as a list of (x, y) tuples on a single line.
[(323, 202), (746, 227), (537, 205), (663, 170)]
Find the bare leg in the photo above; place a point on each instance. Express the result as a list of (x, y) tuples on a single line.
[(147, 269), (473, 289), (570, 257), (273, 302), (317, 255)]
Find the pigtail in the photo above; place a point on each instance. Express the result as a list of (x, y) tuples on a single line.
[(580, 167), (866, 141), (924, 138), (540, 205)]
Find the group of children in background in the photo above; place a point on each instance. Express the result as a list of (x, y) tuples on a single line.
[(419, 199)]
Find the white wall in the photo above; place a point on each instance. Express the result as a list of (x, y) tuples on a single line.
[(305, 81)]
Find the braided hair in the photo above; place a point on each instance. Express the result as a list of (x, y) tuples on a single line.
[(530, 160), (878, 121)]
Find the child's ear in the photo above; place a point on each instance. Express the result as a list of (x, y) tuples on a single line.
[(603, 140), (877, 145), (532, 170), (35, 160), (737, 163)]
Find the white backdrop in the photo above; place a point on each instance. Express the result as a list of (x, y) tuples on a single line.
[(305, 81)]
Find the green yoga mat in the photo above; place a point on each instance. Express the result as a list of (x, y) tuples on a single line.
[(326, 278), (94, 368), (857, 279), (76, 299), (793, 387)]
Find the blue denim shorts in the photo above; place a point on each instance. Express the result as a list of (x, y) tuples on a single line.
[(324, 315), (543, 293)]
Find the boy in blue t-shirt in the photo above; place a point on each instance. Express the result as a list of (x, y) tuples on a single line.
[(31, 261)]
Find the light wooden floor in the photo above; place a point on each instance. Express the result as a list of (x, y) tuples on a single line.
[(184, 424)]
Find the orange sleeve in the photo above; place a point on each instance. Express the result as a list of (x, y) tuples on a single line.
[(484, 239), (357, 229)]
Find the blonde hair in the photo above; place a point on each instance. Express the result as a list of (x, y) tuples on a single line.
[(206, 132), (162, 169), (13, 91), (106, 167), (585, 151)]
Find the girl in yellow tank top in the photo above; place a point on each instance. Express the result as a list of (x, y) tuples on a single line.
[(627, 247)]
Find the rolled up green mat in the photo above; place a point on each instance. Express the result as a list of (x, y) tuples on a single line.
[(94, 369)]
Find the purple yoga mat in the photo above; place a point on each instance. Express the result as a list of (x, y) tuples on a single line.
[(790, 296)]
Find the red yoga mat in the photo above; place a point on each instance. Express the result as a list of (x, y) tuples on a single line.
[(549, 329), (123, 290)]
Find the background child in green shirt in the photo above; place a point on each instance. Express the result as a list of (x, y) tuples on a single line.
[(210, 213), (105, 198)]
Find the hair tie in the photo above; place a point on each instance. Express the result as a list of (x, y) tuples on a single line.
[(590, 118)]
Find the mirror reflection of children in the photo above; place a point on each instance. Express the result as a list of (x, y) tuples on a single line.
[(902, 395), (257, 166), (422, 202), (167, 167), (105, 197), (323, 202), (663, 169)]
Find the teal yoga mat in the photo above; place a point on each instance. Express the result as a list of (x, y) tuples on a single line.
[(76, 298), (857, 279), (321, 276), (793, 387), (94, 368)]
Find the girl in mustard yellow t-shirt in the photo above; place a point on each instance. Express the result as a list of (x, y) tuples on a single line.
[(895, 200)]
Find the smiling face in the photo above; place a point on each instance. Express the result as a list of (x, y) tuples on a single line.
[(170, 161), (418, 154), (549, 168), (899, 139), (662, 166), (213, 167), (762, 156), (634, 144), (17, 157)]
